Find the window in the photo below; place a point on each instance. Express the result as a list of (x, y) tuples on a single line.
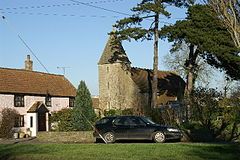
[(48, 101), (71, 102), (31, 121), (19, 121), (136, 121), (108, 106), (121, 121), (18, 100)]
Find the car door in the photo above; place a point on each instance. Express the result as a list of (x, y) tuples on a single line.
[(121, 127), (138, 129)]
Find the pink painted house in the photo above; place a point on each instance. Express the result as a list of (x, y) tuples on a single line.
[(35, 95)]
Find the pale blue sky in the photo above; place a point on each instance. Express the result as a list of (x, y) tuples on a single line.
[(71, 36)]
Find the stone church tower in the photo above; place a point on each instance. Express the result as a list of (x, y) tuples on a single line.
[(116, 87), (122, 86)]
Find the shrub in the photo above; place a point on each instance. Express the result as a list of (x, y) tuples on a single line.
[(118, 112), (128, 111), (112, 112), (7, 123), (61, 120), (195, 132)]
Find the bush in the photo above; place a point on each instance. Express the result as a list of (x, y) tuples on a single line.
[(195, 132), (128, 111), (7, 123), (166, 116), (61, 120), (118, 112)]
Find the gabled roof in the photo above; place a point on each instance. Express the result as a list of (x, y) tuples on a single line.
[(113, 52), (39, 107), (29, 82), (168, 82)]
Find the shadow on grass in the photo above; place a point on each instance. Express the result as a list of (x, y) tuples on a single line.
[(13, 151), (214, 151), (136, 141)]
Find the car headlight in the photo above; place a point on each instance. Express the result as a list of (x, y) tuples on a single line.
[(172, 130)]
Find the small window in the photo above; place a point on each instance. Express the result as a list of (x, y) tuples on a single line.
[(19, 101), (19, 121), (71, 102), (48, 101), (108, 106), (31, 121)]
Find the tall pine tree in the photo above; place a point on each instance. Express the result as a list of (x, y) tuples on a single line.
[(131, 28), (83, 110)]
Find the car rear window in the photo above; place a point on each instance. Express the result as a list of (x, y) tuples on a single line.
[(103, 120)]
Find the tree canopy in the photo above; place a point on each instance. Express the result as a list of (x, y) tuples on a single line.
[(203, 29)]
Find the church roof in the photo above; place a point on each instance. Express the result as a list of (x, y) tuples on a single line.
[(168, 82), (21, 81), (113, 52)]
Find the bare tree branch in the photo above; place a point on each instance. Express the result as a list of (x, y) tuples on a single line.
[(228, 13)]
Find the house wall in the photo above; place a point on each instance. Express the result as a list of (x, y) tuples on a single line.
[(34, 128), (7, 101), (117, 90)]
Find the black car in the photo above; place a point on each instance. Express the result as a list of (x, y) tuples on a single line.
[(134, 128)]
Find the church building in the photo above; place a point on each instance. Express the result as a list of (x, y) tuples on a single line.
[(122, 86)]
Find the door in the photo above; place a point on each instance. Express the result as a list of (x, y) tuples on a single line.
[(121, 127), (138, 129), (41, 121)]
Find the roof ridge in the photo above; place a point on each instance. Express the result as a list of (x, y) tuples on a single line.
[(23, 70), (152, 69)]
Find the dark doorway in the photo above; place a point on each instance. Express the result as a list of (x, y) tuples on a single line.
[(41, 121)]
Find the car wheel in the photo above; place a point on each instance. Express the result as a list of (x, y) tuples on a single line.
[(109, 137), (159, 137)]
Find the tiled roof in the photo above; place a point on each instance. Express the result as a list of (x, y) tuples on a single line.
[(30, 82), (113, 52), (168, 82)]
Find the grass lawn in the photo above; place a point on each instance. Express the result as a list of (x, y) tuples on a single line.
[(120, 151)]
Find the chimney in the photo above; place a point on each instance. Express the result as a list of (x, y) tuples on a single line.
[(28, 64)]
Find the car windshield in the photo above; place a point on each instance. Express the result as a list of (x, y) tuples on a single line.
[(147, 120)]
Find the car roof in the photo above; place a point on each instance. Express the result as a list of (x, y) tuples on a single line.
[(117, 116)]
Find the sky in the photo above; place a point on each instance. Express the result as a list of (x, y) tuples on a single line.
[(63, 33)]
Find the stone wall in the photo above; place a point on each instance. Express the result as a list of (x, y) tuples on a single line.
[(66, 137), (117, 90)]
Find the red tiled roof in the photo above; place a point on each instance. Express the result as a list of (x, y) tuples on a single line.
[(31, 82), (168, 82)]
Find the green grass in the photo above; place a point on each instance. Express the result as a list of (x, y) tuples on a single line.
[(120, 151)]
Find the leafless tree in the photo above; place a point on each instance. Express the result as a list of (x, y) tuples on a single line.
[(176, 61), (229, 13)]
